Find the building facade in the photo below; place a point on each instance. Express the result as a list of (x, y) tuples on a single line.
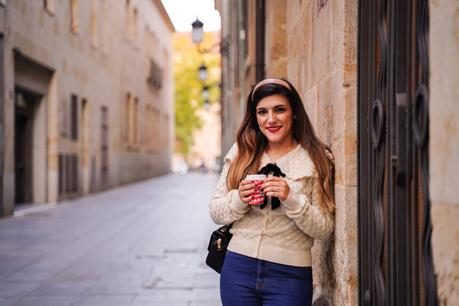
[(86, 97), (379, 91)]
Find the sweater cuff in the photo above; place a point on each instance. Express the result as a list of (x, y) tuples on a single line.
[(295, 202), (236, 204)]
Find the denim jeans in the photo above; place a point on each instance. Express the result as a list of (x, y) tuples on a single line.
[(247, 281)]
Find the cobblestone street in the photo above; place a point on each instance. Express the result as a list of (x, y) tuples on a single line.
[(141, 244)]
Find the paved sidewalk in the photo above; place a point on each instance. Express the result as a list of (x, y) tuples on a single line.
[(141, 244)]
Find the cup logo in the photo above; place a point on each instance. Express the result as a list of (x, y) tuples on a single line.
[(257, 197)]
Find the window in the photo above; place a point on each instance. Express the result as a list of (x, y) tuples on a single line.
[(68, 174), (104, 145), (135, 122), (131, 119), (61, 174), (155, 78), (127, 118), (74, 173), (74, 117), (74, 14), (63, 119), (49, 6)]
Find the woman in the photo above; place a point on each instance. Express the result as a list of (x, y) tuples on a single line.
[(269, 256)]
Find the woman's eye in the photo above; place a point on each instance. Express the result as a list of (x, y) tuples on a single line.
[(280, 110), (261, 112)]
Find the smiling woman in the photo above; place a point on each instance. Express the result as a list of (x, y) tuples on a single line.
[(272, 243)]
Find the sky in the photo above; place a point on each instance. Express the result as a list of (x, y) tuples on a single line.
[(184, 12)]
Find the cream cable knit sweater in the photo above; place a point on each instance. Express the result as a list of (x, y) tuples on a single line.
[(284, 235)]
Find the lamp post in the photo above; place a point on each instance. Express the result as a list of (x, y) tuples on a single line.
[(198, 31), (202, 72), (197, 34)]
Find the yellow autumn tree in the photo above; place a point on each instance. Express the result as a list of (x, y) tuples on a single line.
[(188, 87)]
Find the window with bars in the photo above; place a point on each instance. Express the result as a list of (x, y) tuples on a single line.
[(104, 145), (155, 78), (136, 133), (126, 117), (68, 182), (74, 117)]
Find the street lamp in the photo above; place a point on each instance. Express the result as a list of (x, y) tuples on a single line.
[(202, 72), (205, 96), (197, 34), (198, 31), (205, 93)]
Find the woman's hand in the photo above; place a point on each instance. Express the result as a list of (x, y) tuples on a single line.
[(276, 187), (246, 190)]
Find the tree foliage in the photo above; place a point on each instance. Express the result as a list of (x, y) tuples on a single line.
[(188, 87)]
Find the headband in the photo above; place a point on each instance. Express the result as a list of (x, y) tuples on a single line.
[(270, 81)]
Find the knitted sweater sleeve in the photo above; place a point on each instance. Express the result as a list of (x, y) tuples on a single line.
[(226, 206), (304, 211)]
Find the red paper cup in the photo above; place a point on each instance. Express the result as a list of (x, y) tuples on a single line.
[(258, 198)]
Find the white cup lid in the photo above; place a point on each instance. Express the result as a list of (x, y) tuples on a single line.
[(255, 177)]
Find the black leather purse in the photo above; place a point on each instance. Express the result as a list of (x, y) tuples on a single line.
[(217, 247)]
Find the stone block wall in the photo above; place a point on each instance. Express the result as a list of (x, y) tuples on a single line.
[(322, 64), (275, 39), (444, 146)]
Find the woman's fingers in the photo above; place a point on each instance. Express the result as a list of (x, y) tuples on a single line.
[(274, 182), (246, 190), (276, 187)]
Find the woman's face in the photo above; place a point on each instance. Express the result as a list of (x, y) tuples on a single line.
[(274, 117)]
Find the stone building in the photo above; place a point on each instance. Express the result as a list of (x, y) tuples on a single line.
[(86, 97), (379, 81)]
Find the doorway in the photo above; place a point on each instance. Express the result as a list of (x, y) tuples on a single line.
[(395, 257), (25, 108)]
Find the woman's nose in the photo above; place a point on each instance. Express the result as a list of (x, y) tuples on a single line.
[(271, 117)]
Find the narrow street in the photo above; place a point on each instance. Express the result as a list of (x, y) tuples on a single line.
[(141, 244)]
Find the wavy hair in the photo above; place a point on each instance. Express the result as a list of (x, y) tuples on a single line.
[(251, 142)]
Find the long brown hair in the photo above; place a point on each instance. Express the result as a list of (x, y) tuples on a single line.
[(251, 142)]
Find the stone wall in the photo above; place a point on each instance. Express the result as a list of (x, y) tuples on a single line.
[(275, 39), (322, 63), (444, 146)]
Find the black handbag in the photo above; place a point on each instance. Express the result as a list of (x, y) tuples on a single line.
[(217, 247)]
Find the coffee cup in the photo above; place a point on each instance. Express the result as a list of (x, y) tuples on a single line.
[(258, 197)]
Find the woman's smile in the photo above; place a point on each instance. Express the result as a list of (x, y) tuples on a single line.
[(273, 129)]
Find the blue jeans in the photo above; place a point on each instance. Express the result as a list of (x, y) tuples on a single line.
[(247, 281)]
